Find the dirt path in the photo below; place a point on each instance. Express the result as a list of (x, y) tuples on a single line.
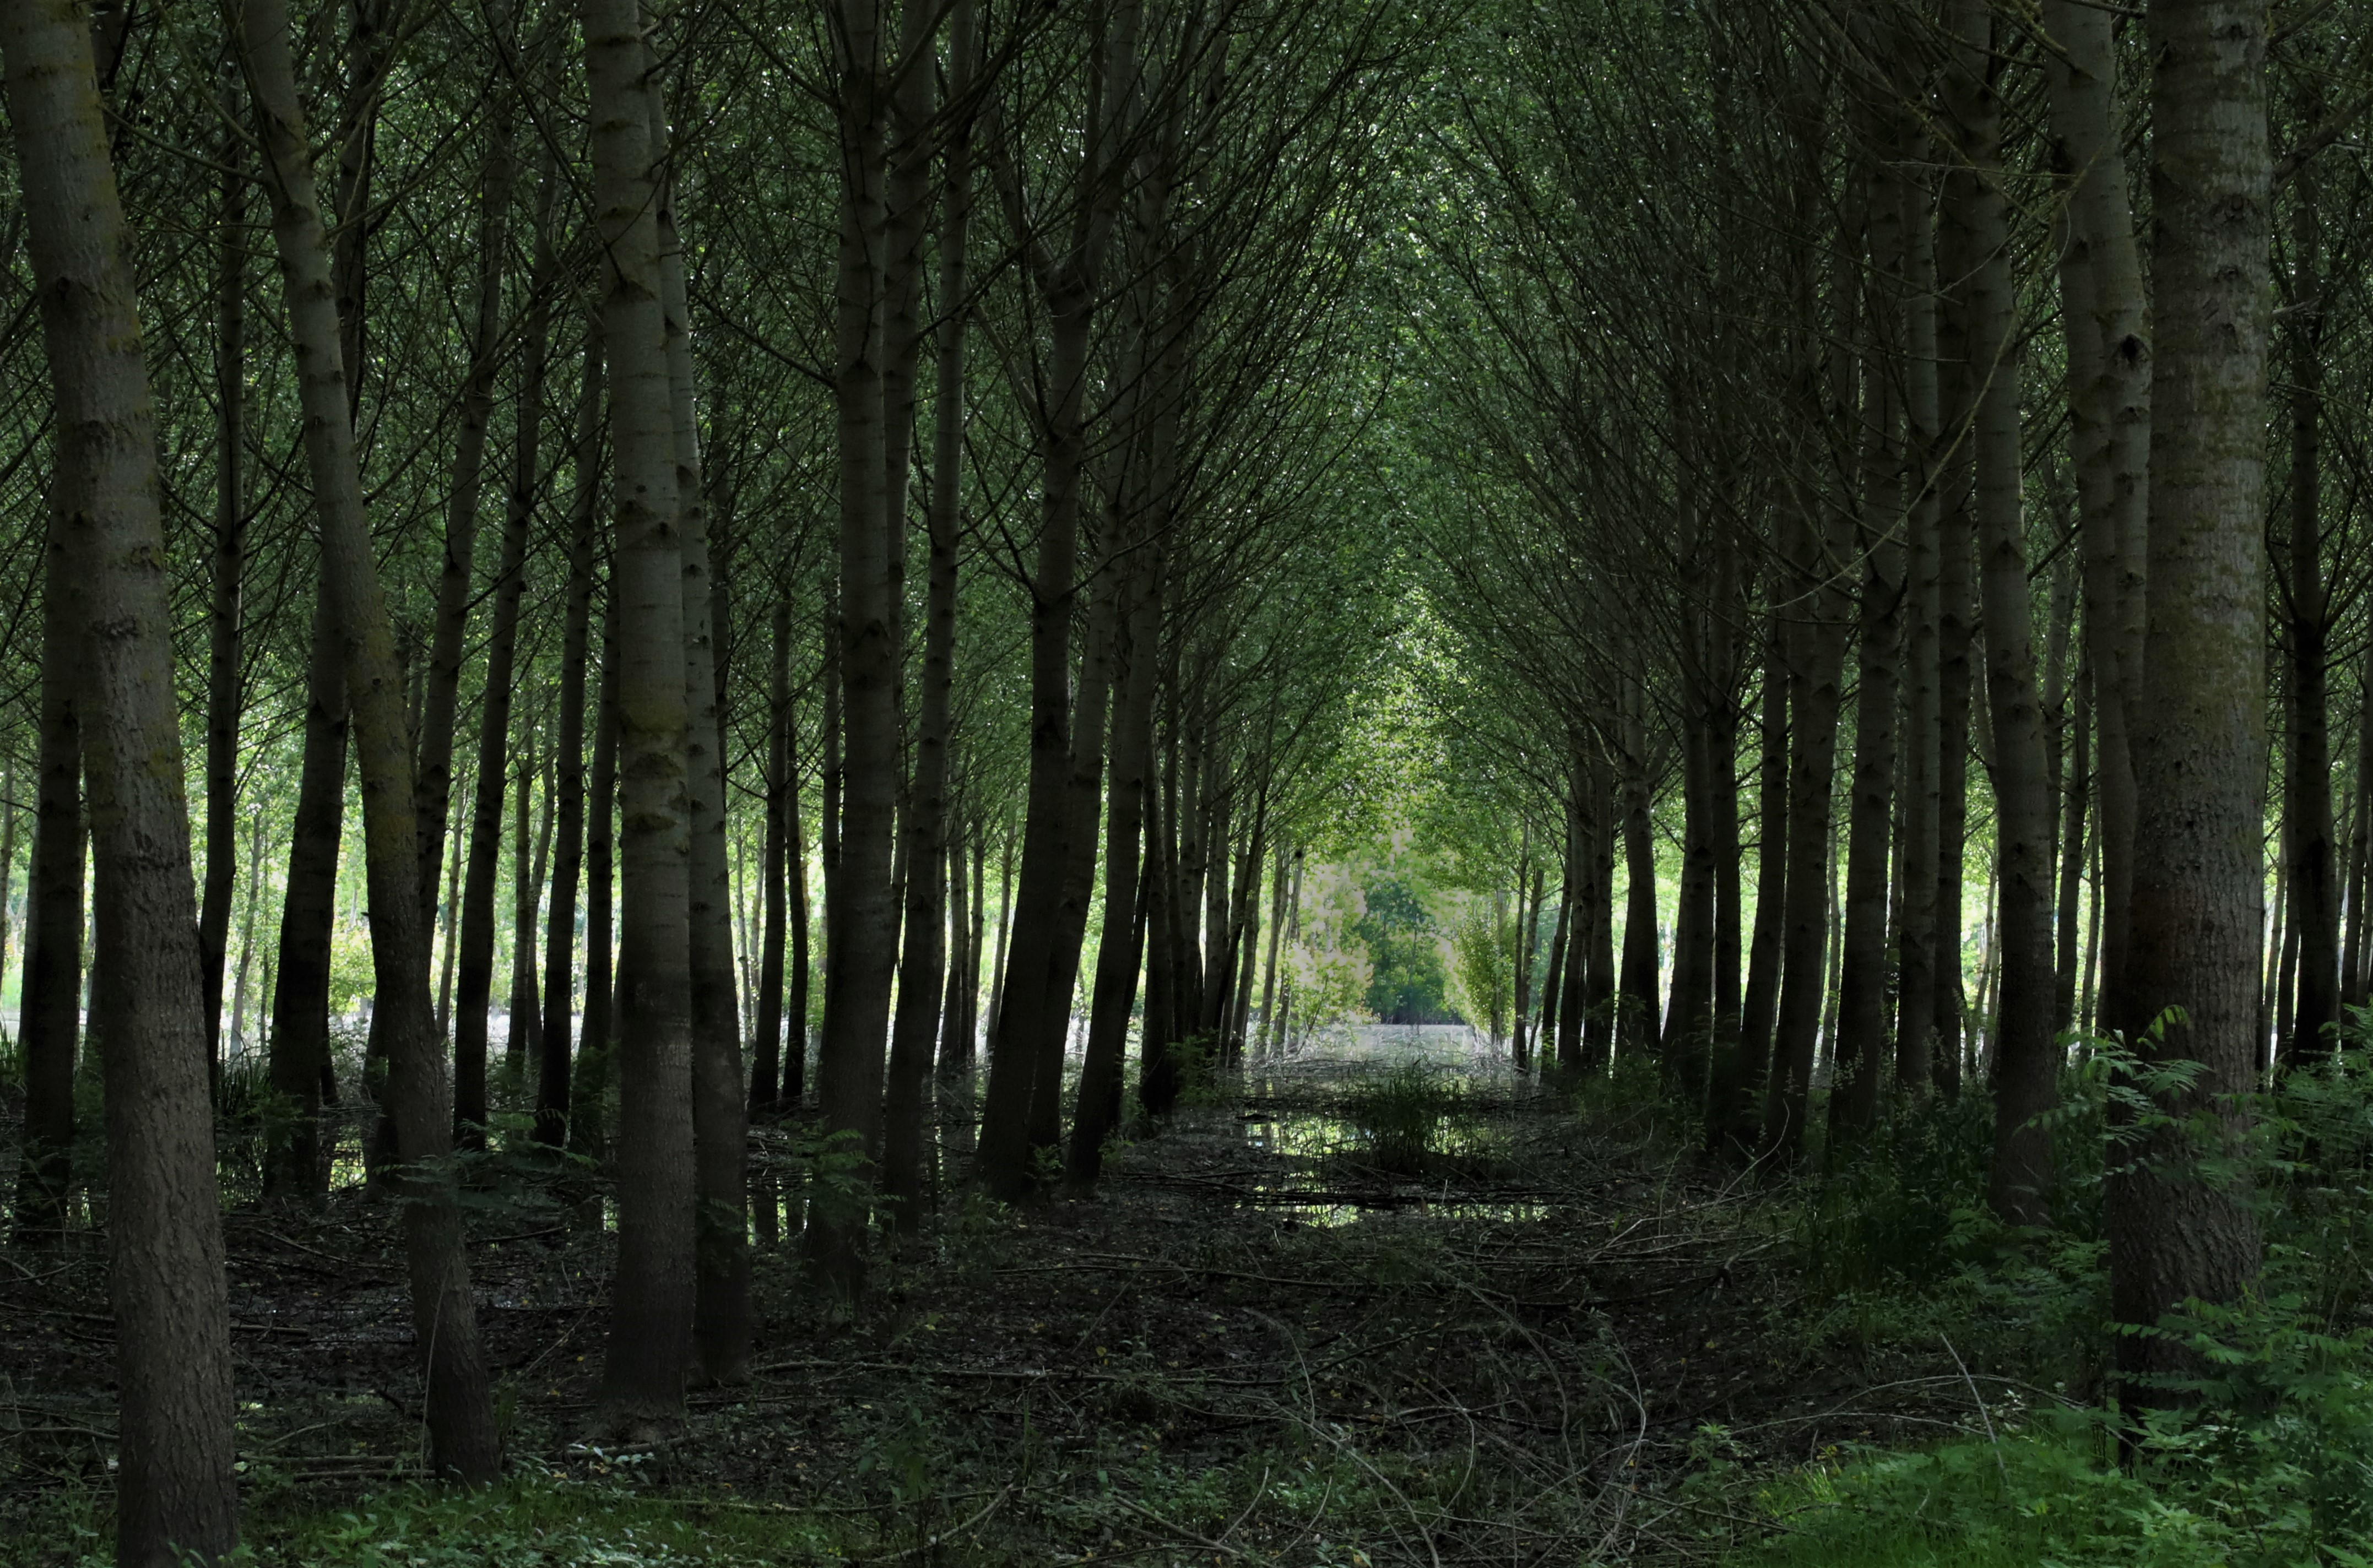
[(1252, 1345)]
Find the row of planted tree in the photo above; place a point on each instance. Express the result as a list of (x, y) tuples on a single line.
[(1839, 421), (1058, 302)]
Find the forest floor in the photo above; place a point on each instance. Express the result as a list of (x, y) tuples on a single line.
[(1555, 1337)]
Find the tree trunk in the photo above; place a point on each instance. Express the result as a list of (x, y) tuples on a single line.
[(651, 1313), (2072, 858), (1861, 1039), (522, 1008), (551, 1089), (587, 1124), (1004, 905), (1636, 999), (1065, 750), (460, 1408), (369, 55), (8, 868), (2104, 309), (923, 963), (1586, 1023), (1917, 957), (766, 1072), (49, 1011), (1121, 952), (1722, 769), (498, 177), (1585, 1012), (1528, 894), (300, 1000), (475, 969), (1689, 1020), (2353, 975), (1553, 981), (2307, 789), (224, 685), (1816, 657), (2026, 1065), (1157, 1071), (1276, 937), (1738, 1095), (964, 854), (1085, 792), (177, 1497), (795, 1043), (2200, 740), (862, 946), (447, 914), (720, 1123), (246, 936)]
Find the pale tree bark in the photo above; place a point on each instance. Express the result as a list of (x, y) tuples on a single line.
[(2200, 740), (460, 1408), (177, 1497), (652, 1315)]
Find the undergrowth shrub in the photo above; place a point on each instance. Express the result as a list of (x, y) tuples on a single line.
[(1631, 1097), (2263, 1454), (1399, 1120)]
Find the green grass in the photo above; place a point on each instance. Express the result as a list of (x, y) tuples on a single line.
[(522, 1523), (1400, 1119), (2044, 1498)]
